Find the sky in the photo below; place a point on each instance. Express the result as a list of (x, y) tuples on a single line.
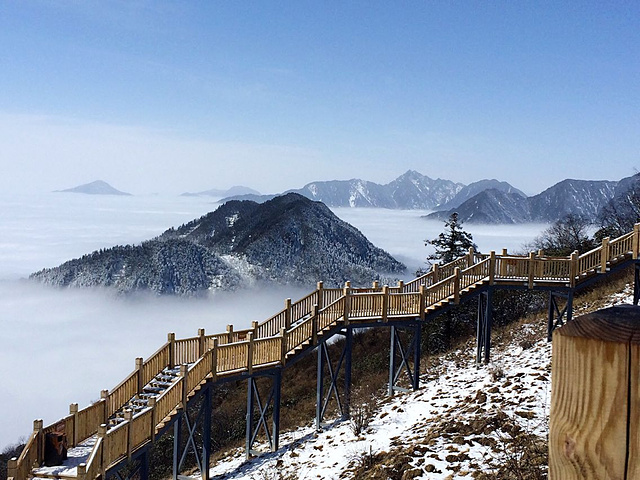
[(168, 97)]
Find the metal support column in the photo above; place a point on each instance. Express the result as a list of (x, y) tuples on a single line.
[(257, 412), (344, 363), (558, 317), (484, 324), (195, 427), (410, 350)]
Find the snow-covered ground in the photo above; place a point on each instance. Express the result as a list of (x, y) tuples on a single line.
[(464, 421)]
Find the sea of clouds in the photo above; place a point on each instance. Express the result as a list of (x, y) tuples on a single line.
[(60, 346)]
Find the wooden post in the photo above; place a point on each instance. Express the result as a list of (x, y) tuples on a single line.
[(635, 242), (12, 469), (82, 471), (503, 263), (104, 397), (230, 334), (604, 255), (434, 268), (184, 373), (573, 268), (385, 302), (214, 360), (594, 423), (287, 313), (456, 286), (72, 436), (375, 285), (154, 418), (128, 416), (532, 269), (470, 257), (250, 353), (283, 346), (254, 327), (102, 433), (37, 429), (139, 364), (423, 302), (492, 267), (171, 338), (400, 286), (202, 344), (314, 326), (347, 302), (320, 295)]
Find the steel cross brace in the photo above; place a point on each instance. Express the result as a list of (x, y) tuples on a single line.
[(202, 419), (253, 401), (558, 317), (128, 470), (396, 370), (322, 400), (483, 331)]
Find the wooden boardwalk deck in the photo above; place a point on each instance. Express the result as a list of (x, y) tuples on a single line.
[(130, 416)]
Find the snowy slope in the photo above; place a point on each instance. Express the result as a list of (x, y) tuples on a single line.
[(465, 422)]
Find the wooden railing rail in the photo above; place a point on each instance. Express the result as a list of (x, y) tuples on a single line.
[(299, 334), (440, 291), (115, 444), (621, 246), (187, 350), (590, 261), (122, 393), (474, 274), (402, 304), (365, 305), (331, 314), (232, 357), (153, 365)]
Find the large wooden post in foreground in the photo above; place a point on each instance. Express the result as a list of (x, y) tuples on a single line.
[(594, 425)]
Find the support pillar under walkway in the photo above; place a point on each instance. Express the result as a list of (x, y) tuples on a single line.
[(404, 356)]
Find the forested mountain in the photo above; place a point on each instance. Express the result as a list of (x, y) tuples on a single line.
[(581, 197), (287, 240)]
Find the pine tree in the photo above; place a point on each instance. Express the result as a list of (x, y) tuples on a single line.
[(453, 243)]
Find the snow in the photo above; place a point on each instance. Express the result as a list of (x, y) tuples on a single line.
[(433, 427), (77, 455)]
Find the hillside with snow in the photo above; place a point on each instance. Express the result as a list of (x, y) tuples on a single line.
[(465, 422)]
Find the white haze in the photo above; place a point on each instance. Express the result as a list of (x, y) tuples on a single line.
[(61, 346)]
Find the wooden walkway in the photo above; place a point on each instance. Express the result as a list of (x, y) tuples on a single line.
[(132, 415)]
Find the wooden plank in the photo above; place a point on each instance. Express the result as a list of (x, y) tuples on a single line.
[(587, 432)]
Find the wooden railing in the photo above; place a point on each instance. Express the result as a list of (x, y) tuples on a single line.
[(298, 325)]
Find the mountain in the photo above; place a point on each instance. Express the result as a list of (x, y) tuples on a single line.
[(287, 240), (413, 190), (233, 191), (94, 188), (475, 188), (490, 206), (348, 193), (410, 190), (580, 197)]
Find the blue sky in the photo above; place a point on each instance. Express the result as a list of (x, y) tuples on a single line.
[(186, 96)]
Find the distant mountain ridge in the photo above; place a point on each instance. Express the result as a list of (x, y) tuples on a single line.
[(288, 240), (97, 187), (233, 191), (580, 197)]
